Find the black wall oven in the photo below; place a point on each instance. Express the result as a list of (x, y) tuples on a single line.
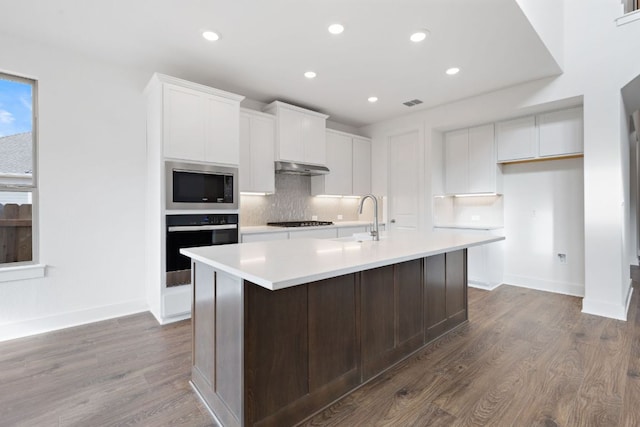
[(201, 186), (188, 231)]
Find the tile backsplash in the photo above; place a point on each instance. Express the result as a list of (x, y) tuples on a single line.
[(479, 210), (292, 201)]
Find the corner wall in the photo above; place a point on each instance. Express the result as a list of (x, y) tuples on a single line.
[(91, 172), (596, 66)]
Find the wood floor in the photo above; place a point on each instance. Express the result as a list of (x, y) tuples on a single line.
[(526, 358)]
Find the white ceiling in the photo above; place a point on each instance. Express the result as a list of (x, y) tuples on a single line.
[(267, 45)]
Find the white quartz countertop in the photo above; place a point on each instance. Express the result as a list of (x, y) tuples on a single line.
[(470, 226), (284, 263), (254, 229)]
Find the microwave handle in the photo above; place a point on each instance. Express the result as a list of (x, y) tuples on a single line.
[(202, 227)]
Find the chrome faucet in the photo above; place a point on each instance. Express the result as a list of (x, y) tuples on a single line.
[(374, 230)]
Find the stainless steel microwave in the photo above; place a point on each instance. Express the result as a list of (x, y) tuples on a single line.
[(201, 186)]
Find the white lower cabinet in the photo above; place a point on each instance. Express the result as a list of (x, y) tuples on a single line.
[(325, 233), (264, 237), (300, 233), (485, 263)]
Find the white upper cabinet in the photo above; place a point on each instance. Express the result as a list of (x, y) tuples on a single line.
[(221, 130), (470, 164), (516, 139), (300, 134), (561, 132), (547, 135), (482, 160), (183, 123), (313, 139), (289, 135), (199, 123), (456, 157), (349, 163), (361, 166), (257, 140)]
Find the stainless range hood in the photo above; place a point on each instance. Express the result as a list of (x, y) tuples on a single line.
[(294, 168)]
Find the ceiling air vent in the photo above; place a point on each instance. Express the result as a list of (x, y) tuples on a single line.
[(412, 102)]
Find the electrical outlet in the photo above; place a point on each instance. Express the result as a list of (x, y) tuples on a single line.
[(562, 258), (314, 217), (339, 216)]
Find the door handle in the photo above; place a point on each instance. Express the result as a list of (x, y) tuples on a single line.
[(393, 221)]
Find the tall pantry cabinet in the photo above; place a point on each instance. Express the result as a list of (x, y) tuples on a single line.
[(189, 122)]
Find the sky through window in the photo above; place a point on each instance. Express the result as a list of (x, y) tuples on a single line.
[(16, 103)]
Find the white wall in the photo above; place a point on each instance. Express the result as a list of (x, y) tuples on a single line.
[(544, 216), (549, 26), (91, 192), (596, 65)]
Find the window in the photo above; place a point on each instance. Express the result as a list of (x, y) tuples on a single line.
[(17, 169)]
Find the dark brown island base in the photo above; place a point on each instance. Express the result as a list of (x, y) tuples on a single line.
[(275, 357)]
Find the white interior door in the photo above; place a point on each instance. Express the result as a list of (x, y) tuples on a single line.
[(404, 180)]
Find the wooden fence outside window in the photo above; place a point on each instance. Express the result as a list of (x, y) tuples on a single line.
[(16, 233)]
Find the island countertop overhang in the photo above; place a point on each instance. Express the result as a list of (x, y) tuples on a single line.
[(281, 264)]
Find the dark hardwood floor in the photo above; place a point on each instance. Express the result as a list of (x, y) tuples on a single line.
[(526, 358)]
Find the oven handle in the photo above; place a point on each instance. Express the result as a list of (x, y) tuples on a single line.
[(202, 227)]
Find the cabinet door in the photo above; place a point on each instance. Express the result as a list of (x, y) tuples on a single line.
[(339, 161), (361, 166), (222, 127), (326, 233), (264, 237), (314, 139), (184, 131), (561, 132), (516, 139), (456, 160), (435, 315), (482, 160), (262, 147), (245, 167), (456, 275), (289, 136)]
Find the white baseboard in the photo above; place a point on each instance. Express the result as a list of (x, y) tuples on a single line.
[(484, 286), (66, 320), (606, 309), (565, 288)]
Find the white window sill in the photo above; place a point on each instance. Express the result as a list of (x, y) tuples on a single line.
[(21, 272), (628, 17)]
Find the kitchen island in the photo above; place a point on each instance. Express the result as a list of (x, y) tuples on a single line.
[(282, 329)]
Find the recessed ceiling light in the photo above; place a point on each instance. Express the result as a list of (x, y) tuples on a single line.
[(372, 99), (453, 70), (336, 28), (310, 75), (210, 35), (419, 36)]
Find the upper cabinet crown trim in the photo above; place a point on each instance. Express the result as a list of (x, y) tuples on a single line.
[(163, 78), (350, 135), (280, 104), (256, 113)]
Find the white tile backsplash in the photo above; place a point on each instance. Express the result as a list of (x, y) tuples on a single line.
[(292, 201)]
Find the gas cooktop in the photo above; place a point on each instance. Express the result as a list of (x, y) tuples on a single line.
[(299, 223)]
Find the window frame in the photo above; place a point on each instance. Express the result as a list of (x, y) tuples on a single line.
[(27, 269)]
